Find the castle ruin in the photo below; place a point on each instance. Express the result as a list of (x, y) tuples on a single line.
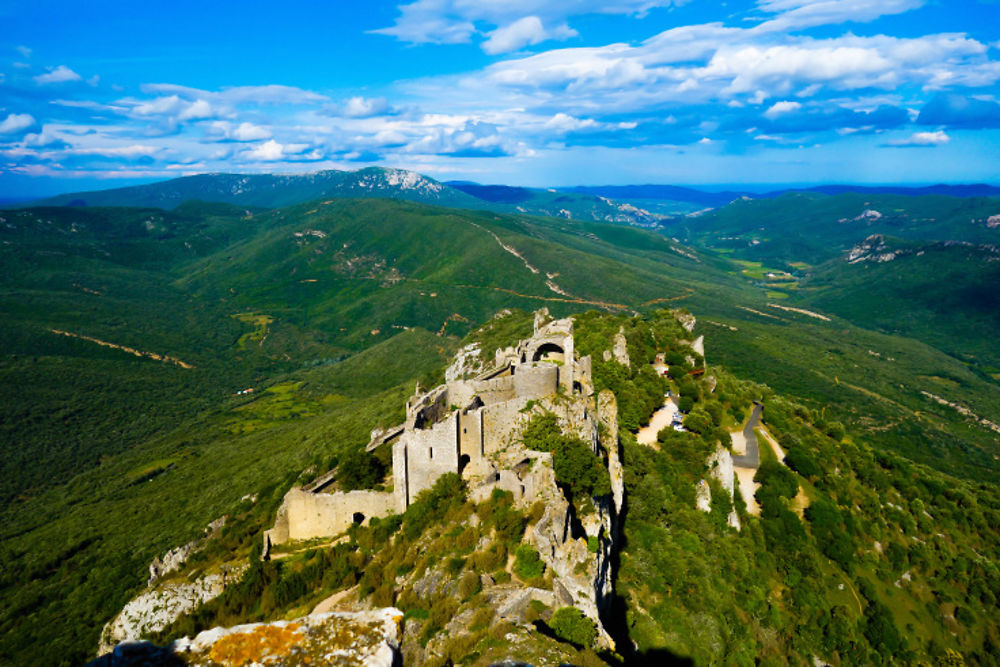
[(458, 427)]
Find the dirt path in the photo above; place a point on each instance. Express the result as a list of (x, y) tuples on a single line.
[(739, 442), (331, 603), (131, 350), (748, 487), (660, 420), (801, 311)]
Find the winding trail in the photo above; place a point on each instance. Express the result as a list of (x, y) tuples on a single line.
[(131, 350)]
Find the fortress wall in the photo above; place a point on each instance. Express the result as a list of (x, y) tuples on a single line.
[(500, 421), (495, 390), (304, 515), (433, 406), (431, 453), (400, 474), (461, 393), (534, 382), (470, 438)]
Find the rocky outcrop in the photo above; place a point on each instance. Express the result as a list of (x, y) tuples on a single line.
[(368, 638), (159, 606), (174, 559), (619, 349), (720, 467)]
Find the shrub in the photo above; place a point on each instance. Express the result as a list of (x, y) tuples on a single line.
[(802, 461), (527, 564), (569, 624), (360, 470), (776, 478)]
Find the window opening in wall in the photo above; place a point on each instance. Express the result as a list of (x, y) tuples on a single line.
[(359, 518), (431, 452)]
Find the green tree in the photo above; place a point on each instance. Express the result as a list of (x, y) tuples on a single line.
[(569, 624)]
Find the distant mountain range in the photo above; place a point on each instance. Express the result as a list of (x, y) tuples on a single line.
[(636, 205)]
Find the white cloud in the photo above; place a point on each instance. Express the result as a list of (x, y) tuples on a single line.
[(779, 108), (242, 132), (524, 32), (23, 50), (174, 108), (361, 107), (60, 74), (15, 123), (799, 14), (199, 109), (565, 123), (269, 151), (923, 139), (250, 132), (459, 21), (130, 151), (44, 139)]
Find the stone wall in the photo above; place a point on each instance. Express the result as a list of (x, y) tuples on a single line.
[(304, 515), (431, 453)]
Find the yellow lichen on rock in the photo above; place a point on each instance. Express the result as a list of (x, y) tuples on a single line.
[(245, 648)]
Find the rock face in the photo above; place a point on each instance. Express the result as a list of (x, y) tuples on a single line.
[(720, 465), (620, 349), (159, 606), (369, 638)]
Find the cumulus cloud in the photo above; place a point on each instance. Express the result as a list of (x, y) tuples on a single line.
[(779, 108), (23, 50), (361, 107), (243, 132), (269, 151), (922, 139), (59, 74), (273, 151), (16, 123), (523, 32)]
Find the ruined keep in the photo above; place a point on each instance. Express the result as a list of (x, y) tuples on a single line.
[(456, 427)]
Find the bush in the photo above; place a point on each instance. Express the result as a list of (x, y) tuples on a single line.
[(360, 470), (575, 464), (802, 462), (569, 624), (777, 479), (527, 564)]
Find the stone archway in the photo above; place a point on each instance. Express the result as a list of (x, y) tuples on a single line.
[(549, 352)]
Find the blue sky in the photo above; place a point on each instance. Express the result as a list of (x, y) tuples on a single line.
[(529, 92)]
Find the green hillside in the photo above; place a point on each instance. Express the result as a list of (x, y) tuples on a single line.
[(808, 227), (942, 293), (129, 333)]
